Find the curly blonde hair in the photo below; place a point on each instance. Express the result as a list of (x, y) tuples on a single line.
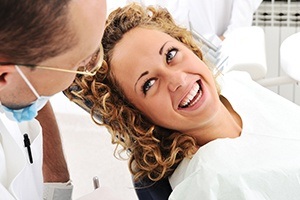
[(154, 152)]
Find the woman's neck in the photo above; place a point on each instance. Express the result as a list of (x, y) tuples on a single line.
[(226, 124)]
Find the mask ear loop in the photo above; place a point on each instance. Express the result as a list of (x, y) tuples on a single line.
[(27, 81)]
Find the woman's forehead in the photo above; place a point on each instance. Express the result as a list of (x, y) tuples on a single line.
[(140, 41)]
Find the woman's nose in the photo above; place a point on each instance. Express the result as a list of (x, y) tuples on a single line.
[(176, 79)]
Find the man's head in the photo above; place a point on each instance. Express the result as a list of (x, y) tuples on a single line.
[(31, 30), (57, 33)]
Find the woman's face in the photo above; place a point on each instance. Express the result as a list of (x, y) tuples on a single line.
[(165, 80)]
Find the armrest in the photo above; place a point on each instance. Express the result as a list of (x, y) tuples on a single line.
[(246, 51)]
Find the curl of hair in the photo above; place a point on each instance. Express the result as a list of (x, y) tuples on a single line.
[(154, 152)]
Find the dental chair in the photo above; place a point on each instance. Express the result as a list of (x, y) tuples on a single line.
[(243, 50)]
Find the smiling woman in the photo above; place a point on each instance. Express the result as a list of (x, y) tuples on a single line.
[(131, 127), (161, 102)]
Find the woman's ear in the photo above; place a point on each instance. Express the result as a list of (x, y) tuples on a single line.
[(5, 72)]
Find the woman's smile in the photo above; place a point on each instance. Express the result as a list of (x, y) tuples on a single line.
[(192, 97)]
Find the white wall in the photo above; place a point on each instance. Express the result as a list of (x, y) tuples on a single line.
[(113, 4)]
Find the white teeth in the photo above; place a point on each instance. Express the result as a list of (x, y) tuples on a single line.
[(197, 99), (190, 96)]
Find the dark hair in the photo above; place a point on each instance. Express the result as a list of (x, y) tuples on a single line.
[(31, 31)]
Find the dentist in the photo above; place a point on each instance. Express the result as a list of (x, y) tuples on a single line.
[(43, 45)]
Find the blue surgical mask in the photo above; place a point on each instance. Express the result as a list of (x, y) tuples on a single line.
[(29, 112)]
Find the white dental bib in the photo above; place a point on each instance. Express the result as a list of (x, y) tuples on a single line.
[(263, 163)]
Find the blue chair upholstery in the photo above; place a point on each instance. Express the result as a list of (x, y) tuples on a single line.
[(149, 190)]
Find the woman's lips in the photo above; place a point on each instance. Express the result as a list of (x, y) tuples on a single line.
[(192, 97)]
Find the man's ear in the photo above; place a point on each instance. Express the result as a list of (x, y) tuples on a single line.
[(5, 72)]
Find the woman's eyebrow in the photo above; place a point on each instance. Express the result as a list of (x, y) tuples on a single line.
[(162, 48), (147, 72), (143, 74)]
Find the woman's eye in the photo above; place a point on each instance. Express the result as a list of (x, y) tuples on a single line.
[(147, 85), (171, 54)]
